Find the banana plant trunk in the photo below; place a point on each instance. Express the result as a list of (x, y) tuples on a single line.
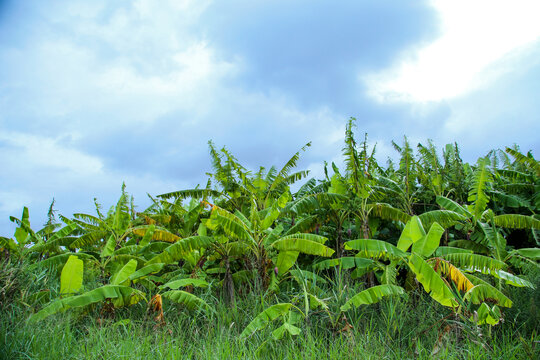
[(228, 284), (339, 241), (262, 265)]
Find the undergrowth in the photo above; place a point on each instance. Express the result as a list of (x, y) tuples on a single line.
[(396, 328)]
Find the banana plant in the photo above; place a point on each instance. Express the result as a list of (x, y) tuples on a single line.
[(71, 281), (480, 223), (446, 273), (119, 291), (260, 239), (28, 242), (291, 315)]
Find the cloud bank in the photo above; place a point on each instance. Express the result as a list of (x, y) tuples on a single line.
[(95, 93)]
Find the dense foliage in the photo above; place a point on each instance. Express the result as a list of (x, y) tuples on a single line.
[(428, 226)]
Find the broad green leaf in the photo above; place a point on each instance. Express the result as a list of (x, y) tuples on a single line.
[(389, 274), (445, 218), (191, 193), (126, 294), (489, 291), (482, 292), (108, 249), (21, 234), (432, 282), (470, 245), (302, 245), (531, 253), (312, 237), (71, 278), (181, 248), (265, 317), (413, 232), (430, 242), (175, 284), (90, 238), (374, 249), (122, 276), (286, 327), (146, 270), (372, 295), (346, 262), (515, 221), (230, 224), (510, 278), (149, 233), (445, 250), (477, 193), (190, 301), (59, 238), (485, 315), (475, 262), (337, 186), (315, 302), (387, 212), (449, 204), (59, 260), (286, 260)]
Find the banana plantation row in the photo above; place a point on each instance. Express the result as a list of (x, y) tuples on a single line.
[(462, 233)]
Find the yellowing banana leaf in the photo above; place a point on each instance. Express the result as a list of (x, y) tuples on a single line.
[(431, 281), (155, 233), (453, 274)]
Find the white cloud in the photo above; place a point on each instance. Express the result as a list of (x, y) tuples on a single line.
[(135, 63), (32, 153), (37, 168), (479, 41)]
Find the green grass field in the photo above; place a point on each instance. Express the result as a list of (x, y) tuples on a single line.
[(395, 328)]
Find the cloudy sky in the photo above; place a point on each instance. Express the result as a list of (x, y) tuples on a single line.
[(94, 93)]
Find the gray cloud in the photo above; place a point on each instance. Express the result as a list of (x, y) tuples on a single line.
[(96, 93)]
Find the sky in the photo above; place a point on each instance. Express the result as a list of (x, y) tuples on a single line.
[(96, 93)]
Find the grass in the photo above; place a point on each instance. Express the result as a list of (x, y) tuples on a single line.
[(393, 329)]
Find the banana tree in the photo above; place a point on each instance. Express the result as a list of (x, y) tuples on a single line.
[(481, 225), (262, 240), (28, 242), (446, 273), (119, 292)]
